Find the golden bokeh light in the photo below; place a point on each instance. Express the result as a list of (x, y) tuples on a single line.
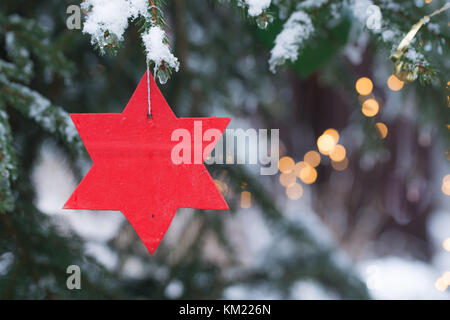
[(446, 244), (370, 107), (446, 185), (446, 277), (382, 129), (364, 86), (299, 167), (246, 199), (312, 158), (441, 284), (286, 164), (288, 179), (326, 144), (295, 191), (341, 165), (333, 133), (308, 174), (394, 83), (338, 154)]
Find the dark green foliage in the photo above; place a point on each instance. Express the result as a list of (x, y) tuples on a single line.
[(61, 67)]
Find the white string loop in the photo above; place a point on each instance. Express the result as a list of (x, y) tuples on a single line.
[(148, 69), (148, 90)]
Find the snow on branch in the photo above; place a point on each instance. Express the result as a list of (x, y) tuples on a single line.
[(384, 19), (291, 39), (107, 20), (256, 7), (8, 164), (296, 31), (33, 105), (158, 50)]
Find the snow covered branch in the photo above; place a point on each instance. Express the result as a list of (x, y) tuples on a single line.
[(8, 164), (385, 20), (256, 7), (296, 31), (33, 105), (107, 20)]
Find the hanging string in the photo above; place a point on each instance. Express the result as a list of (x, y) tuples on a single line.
[(151, 7), (148, 90)]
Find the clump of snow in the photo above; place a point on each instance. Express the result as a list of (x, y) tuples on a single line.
[(157, 49), (111, 15), (106, 15), (256, 7), (388, 35), (415, 56), (138, 8), (295, 32), (312, 3), (107, 20)]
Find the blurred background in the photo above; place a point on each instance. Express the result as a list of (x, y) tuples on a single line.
[(358, 210)]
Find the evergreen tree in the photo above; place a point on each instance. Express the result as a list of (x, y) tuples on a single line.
[(217, 54)]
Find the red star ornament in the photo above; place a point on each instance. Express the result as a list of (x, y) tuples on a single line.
[(133, 169)]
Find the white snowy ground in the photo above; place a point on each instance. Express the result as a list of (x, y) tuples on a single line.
[(387, 278)]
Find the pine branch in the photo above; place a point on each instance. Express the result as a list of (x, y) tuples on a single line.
[(8, 163), (108, 35), (33, 105), (24, 254), (25, 36)]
